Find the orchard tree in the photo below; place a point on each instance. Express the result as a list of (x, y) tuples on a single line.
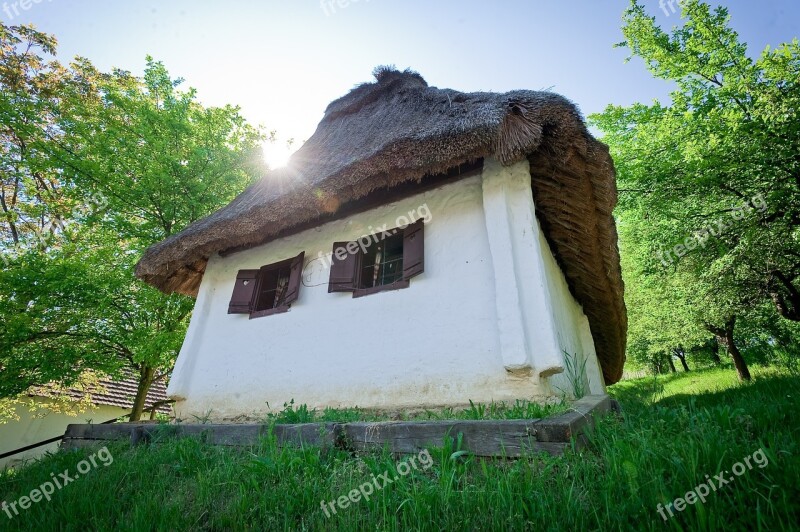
[(662, 317), (711, 182), (31, 200), (160, 161), (120, 163)]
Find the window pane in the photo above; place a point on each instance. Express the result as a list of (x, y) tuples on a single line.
[(382, 263), (273, 288)]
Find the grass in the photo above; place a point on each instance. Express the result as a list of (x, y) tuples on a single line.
[(674, 431), (520, 409)]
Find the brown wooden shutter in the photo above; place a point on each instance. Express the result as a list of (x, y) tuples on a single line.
[(343, 272), (413, 250), (243, 290), (295, 276)]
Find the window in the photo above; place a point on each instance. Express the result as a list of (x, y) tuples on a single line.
[(382, 263), (269, 290), (386, 263)]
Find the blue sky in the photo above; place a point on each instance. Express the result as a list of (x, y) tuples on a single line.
[(283, 61)]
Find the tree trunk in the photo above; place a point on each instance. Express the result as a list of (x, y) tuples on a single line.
[(725, 337), (681, 354), (657, 365), (146, 377), (788, 306), (715, 352), (738, 361), (9, 219), (671, 364)]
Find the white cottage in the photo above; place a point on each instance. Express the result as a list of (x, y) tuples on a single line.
[(425, 247)]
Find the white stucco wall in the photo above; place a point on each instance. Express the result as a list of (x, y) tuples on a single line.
[(573, 334), (551, 323), (458, 333), (32, 428)]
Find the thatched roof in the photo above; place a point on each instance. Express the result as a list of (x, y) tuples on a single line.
[(398, 129)]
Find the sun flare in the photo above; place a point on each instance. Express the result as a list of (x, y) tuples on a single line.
[(276, 154)]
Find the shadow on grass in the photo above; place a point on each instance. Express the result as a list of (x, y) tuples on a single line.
[(706, 387)]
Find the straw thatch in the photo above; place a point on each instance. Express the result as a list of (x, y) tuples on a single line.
[(399, 129)]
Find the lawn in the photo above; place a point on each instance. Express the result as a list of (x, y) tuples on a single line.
[(674, 431)]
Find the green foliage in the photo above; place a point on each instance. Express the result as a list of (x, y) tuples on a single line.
[(30, 191), (575, 373), (95, 168), (658, 450), (160, 159), (709, 211), (292, 414)]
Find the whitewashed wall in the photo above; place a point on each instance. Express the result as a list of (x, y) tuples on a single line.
[(572, 332), (542, 313), (450, 337), (33, 428)]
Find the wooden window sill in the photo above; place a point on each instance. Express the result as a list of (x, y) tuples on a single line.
[(269, 312), (397, 285)]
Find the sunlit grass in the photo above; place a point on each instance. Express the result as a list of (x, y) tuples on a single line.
[(673, 432), (520, 409)]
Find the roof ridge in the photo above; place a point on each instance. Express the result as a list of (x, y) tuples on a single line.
[(387, 80)]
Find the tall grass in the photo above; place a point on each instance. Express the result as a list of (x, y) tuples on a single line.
[(519, 409), (575, 374), (673, 432)]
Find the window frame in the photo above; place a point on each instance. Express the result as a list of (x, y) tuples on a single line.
[(262, 273), (335, 284), (394, 285), (238, 307)]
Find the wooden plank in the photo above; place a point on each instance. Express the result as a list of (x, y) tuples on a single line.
[(111, 431), (69, 444), (313, 434), (221, 434), (562, 428), (481, 437), (316, 434), (552, 448), (218, 434), (491, 438), (593, 404)]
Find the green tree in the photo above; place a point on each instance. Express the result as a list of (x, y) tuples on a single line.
[(134, 160), (162, 161), (712, 180), (30, 189)]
